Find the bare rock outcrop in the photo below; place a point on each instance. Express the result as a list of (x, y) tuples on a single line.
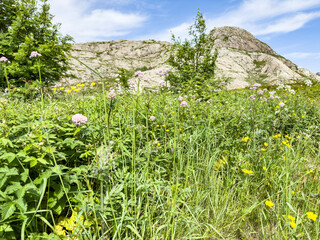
[(241, 57)]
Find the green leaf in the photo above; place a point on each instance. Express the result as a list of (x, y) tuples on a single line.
[(7, 210), (21, 204), (33, 162), (8, 156)]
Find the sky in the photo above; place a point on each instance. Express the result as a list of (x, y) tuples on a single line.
[(290, 27)]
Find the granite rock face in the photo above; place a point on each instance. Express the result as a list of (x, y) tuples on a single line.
[(241, 57)]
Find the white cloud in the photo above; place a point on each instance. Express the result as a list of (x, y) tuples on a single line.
[(262, 17), (84, 24), (303, 55)]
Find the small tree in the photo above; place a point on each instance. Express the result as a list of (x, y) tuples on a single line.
[(193, 60), (26, 26)]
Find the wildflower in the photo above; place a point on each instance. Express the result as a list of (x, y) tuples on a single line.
[(162, 83), (302, 116), (54, 89), (167, 130), (138, 74), (3, 59), (266, 144), (263, 149), (293, 192), (111, 95), (292, 218), (260, 92), (312, 216), (293, 225), (35, 54), (264, 168), (184, 104), (247, 171), (209, 101), (76, 90), (93, 83), (79, 119), (245, 139), (180, 98), (61, 88), (163, 125), (131, 83), (68, 91), (222, 83), (73, 88), (82, 85), (159, 144), (281, 104), (158, 125), (253, 97), (198, 100), (147, 80), (152, 118), (257, 85), (269, 203), (78, 85)]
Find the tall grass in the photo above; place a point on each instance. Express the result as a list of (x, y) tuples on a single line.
[(206, 171)]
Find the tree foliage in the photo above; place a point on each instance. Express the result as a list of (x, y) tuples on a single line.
[(193, 60), (26, 26)]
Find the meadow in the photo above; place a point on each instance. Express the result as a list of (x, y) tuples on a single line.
[(88, 163)]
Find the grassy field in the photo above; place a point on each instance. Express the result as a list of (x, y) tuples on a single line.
[(150, 166)]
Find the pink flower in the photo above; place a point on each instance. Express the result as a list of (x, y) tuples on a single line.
[(185, 96), (260, 92), (184, 104), (281, 104), (152, 118), (162, 83), (180, 98), (198, 100), (131, 83), (3, 59), (35, 54), (253, 97), (138, 74), (209, 101), (256, 85), (253, 88), (111, 95), (271, 97), (222, 83), (147, 80), (265, 89), (79, 119)]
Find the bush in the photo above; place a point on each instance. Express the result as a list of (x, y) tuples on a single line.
[(193, 60), (26, 26)]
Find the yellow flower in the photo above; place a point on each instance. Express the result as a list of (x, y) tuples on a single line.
[(269, 203), (167, 130), (159, 144), (61, 88), (68, 91), (76, 90), (263, 149), (163, 125), (54, 89), (302, 116), (158, 126), (245, 139), (247, 171), (60, 231), (293, 192), (180, 129), (277, 107), (293, 225), (266, 144), (292, 218), (78, 85), (264, 168), (82, 85), (93, 83), (72, 87), (172, 112), (312, 216)]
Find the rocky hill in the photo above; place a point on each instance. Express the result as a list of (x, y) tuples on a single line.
[(241, 57)]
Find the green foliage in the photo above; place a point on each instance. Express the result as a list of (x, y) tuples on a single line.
[(26, 26), (193, 60)]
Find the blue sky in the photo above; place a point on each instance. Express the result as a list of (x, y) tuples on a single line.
[(290, 27)]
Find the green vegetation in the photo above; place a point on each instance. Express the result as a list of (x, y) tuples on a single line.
[(26, 26), (193, 61), (227, 168)]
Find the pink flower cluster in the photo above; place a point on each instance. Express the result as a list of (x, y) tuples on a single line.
[(253, 97), (111, 95), (3, 59), (255, 86), (164, 73), (35, 54), (138, 74), (79, 119), (180, 98), (152, 118), (184, 104), (162, 83), (131, 83)]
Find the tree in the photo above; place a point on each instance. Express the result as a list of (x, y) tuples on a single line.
[(26, 26), (192, 60)]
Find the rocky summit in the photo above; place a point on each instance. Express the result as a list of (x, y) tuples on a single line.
[(242, 58)]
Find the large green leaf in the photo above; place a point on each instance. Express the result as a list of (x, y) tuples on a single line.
[(7, 209)]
